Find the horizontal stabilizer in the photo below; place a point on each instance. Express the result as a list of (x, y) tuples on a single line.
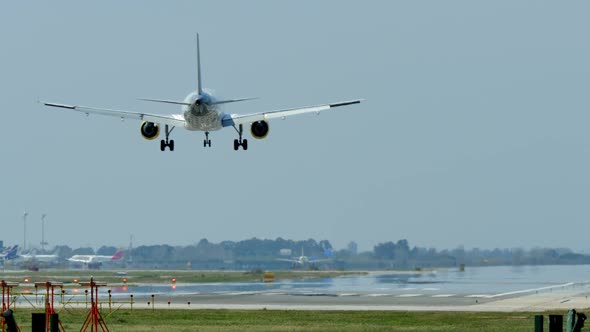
[(217, 102), (166, 101)]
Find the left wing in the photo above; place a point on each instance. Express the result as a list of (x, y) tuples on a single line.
[(172, 119), (235, 119)]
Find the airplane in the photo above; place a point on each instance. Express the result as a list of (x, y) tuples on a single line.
[(95, 261), (38, 258), (29, 261), (302, 260), (10, 253), (200, 112)]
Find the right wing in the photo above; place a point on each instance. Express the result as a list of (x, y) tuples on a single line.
[(172, 119), (235, 119), (287, 260)]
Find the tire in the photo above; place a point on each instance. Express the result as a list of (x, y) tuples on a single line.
[(209, 143), (162, 145), (236, 145), (245, 144), (204, 144), (171, 145)]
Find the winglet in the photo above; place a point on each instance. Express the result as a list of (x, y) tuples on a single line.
[(199, 83)]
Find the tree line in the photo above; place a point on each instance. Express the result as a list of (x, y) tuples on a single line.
[(263, 253)]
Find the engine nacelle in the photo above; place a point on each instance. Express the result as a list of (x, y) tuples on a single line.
[(149, 130), (259, 129)]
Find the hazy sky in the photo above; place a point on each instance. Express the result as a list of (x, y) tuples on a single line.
[(475, 128)]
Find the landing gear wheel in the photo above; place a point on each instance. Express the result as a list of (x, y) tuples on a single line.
[(206, 141), (239, 142), (167, 142)]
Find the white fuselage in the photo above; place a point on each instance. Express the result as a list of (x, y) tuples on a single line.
[(201, 115)]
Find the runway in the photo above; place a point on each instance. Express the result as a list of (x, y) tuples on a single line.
[(479, 289)]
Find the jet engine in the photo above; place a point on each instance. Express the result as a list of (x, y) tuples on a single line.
[(149, 130), (259, 129)]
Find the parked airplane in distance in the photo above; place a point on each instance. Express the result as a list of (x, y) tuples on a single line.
[(302, 260), (95, 261), (51, 258), (200, 112), (10, 253)]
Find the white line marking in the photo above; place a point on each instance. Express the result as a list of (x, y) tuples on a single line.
[(531, 290), (409, 295), (443, 295)]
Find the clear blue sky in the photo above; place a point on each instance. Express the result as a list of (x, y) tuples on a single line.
[(474, 131)]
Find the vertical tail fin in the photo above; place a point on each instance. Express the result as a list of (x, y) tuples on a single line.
[(199, 84), (118, 255)]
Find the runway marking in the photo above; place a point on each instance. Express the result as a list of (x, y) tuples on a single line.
[(479, 295), (410, 295), (408, 288), (443, 295), (349, 294), (240, 293), (430, 289), (531, 290), (375, 295)]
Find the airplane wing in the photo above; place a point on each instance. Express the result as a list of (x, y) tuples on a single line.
[(287, 260), (319, 260), (172, 119), (236, 119)]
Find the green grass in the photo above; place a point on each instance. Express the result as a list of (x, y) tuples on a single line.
[(270, 320)]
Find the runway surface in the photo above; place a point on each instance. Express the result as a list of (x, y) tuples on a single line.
[(477, 289)]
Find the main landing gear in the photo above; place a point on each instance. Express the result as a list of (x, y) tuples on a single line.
[(207, 141), (167, 142), (240, 142)]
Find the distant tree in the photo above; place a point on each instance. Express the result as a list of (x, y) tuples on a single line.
[(384, 250), (106, 251), (63, 252), (83, 251), (459, 254), (352, 248), (154, 253), (402, 253)]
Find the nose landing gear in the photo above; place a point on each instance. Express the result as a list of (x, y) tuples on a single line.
[(207, 141)]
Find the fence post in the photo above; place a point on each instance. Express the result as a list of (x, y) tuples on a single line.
[(538, 323), (555, 323), (38, 322)]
